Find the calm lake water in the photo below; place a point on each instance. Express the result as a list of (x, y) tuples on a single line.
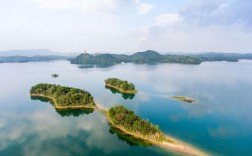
[(219, 121)]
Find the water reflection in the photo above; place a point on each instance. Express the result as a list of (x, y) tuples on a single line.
[(220, 120), (74, 112), (42, 99), (130, 140), (87, 66), (65, 112), (125, 96), (94, 66)]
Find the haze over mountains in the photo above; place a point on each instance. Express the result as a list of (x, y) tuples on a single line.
[(34, 52), (149, 56), (33, 55)]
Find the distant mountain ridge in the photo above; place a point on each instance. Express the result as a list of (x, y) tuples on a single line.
[(148, 56), (35, 52), (33, 55), (230, 57), (22, 59), (151, 56)]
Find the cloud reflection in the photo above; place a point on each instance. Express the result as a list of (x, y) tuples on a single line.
[(41, 130)]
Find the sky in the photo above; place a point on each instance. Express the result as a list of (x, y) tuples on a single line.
[(119, 26)]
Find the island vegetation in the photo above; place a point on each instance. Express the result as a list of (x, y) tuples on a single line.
[(183, 98), (119, 117), (64, 97), (128, 121), (104, 60), (65, 112), (152, 57), (55, 75), (148, 56), (121, 85)]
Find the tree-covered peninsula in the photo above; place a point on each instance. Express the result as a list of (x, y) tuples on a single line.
[(129, 122), (64, 97), (121, 85)]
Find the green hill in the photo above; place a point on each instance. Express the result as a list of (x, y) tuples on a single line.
[(148, 56), (151, 56)]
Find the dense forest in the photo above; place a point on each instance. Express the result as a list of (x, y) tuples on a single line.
[(151, 57), (129, 121), (63, 96), (123, 86), (148, 56)]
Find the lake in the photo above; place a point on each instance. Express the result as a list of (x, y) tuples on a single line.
[(218, 122)]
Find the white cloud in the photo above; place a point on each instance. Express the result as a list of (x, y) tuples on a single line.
[(107, 9), (117, 25), (144, 8), (169, 19), (218, 12), (58, 4), (102, 6), (217, 25)]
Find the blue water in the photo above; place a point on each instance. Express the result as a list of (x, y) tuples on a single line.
[(219, 121)]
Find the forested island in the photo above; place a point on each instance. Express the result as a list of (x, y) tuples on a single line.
[(121, 85), (148, 56), (119, 117), (64, 97), (101, 60), (152, 57), (55, 75), (128, 121)]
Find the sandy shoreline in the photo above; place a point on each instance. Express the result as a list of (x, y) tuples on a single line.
[(173, 144)]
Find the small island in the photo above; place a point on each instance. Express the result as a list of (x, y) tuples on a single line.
[(64, 97), (129, 122), (118, 117), (120, 85), (182, 98), (55, 75)]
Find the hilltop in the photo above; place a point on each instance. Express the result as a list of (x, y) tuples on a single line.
[(148, 56), (151, 57)]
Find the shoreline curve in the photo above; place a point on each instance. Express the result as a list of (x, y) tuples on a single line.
[(172, 144)]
